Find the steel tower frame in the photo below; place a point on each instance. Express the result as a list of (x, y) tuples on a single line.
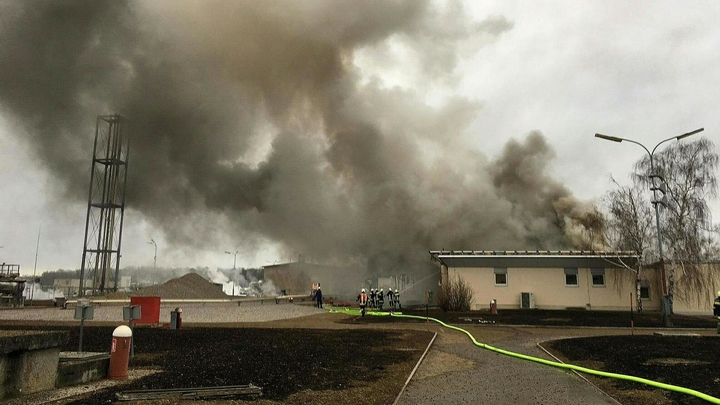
[(106, 207)]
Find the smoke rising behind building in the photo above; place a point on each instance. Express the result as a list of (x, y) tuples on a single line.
[(251, 119)]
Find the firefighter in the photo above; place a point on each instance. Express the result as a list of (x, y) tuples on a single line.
[(381, 298), (397, 299), (716, 306), (373, 297), (319, 297), (362, 299), (391, 299)]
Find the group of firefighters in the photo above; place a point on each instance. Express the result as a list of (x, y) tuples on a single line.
[(376, 299)]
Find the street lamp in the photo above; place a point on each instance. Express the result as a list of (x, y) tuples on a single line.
[(234, 263), (234, 257), (152, 242), (654, 189)]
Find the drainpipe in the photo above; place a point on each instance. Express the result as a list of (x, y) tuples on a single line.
[(444, 275)]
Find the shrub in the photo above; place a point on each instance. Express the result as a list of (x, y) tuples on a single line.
[(455, 296)]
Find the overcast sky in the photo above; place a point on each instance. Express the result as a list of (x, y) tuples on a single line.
[(645, 70)]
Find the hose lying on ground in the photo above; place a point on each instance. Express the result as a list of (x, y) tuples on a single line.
[(645, 381)]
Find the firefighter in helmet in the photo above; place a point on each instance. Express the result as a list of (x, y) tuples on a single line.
[(391, 299), (319, 297), (397, 299), (716, 306), (362, 299)]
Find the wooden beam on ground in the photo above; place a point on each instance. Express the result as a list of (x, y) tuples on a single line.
[(191, 393)]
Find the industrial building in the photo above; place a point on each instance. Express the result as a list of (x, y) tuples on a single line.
[(11, 285)]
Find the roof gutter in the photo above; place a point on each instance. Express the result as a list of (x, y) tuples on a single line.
[(436, 255)]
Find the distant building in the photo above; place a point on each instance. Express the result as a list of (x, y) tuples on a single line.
[(125, 282), (69, 286), (297, 278)]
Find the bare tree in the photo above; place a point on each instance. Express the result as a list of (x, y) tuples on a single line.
[(456, 295), (629, 227), (688, 174)]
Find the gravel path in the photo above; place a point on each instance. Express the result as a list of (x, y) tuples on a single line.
[(458, 372)]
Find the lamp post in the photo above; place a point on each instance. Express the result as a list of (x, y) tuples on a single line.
[(234, 263), (37, 248), (654, 189), (234, 257), (152, 242)]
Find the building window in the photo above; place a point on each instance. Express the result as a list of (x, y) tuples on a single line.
[(598, 277), (644, 290), (571, 276), (500, 275)]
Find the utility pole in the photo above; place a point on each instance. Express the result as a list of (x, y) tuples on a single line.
[(152, 242), (234, 257), (37, 248), (234, 265)]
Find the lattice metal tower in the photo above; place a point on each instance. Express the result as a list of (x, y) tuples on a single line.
[(106, 207)]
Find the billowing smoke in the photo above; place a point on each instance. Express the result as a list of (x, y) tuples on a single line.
[(252, 119)]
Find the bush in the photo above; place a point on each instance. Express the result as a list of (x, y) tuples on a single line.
[(455, 296)]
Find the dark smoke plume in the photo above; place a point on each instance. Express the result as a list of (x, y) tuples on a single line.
[(352, 169)]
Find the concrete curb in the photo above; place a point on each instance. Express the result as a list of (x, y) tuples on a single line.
[(412, 373), (582, 377)]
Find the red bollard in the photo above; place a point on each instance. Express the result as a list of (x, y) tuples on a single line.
[(120, 353)]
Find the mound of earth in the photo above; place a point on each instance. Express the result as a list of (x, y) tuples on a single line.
[(116, 295), (189, 286)]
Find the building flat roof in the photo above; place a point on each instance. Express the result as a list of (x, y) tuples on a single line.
[(537, 258)]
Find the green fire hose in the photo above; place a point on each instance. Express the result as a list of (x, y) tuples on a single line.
[(645, 381)]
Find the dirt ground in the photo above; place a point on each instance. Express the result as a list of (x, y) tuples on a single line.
[(337, 365), (686, 361), (543, 317), (335, 359)]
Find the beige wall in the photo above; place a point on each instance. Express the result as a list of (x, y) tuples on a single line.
[(695, 294), (548, 288), (550, 292)]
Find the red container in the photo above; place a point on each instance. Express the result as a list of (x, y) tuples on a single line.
[(149, 308), (120, 353)]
